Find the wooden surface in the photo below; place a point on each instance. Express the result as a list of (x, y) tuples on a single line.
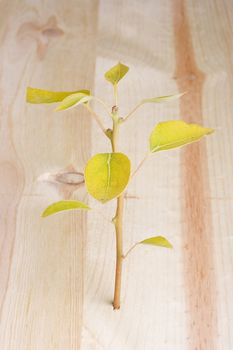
[(56, 275)]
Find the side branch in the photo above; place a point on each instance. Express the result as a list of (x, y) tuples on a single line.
[(96, 117)]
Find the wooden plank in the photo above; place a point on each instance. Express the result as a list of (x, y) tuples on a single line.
[(192, 301), (44, 45), (57, 275)]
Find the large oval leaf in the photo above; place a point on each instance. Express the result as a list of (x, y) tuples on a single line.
[(63, 205), (107, 175), (158, 241), (73, 100), (116, 73), (44, 96), (175, 133), (161, 99)]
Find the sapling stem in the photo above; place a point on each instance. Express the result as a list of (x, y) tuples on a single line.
[(118, 221), (118, 218), (115, 131)]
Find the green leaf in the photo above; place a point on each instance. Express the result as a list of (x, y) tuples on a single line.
[(63, 205), (161, 99), (107, 175), (44, 96), (158, 241), (175, 133), (73, 101), (116, 73)]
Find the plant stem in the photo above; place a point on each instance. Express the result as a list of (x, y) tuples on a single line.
[(118, 219), (114, 137)]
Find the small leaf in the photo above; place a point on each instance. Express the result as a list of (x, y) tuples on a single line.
[(107, 175), (158, 241), (44, 96), (73, 101), (161, 99), (63, 205), (175, 133), (116, 73)]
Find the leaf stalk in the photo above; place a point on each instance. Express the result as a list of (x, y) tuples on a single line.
[(141, 164), (96, 117), (130, 250), (132, 112)]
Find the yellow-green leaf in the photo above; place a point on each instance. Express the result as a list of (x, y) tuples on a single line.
[(116, 73), (73, 101), (63, 205), (175, 133), (107, 175), (44, 96), (158, 241), (161, 99)]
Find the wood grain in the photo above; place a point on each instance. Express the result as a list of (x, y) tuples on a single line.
[(196, 211), (57, 275)]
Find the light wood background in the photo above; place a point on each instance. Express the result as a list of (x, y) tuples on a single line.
[(56, 275)]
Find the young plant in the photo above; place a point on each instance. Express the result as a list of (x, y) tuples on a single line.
[(107, 175)]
